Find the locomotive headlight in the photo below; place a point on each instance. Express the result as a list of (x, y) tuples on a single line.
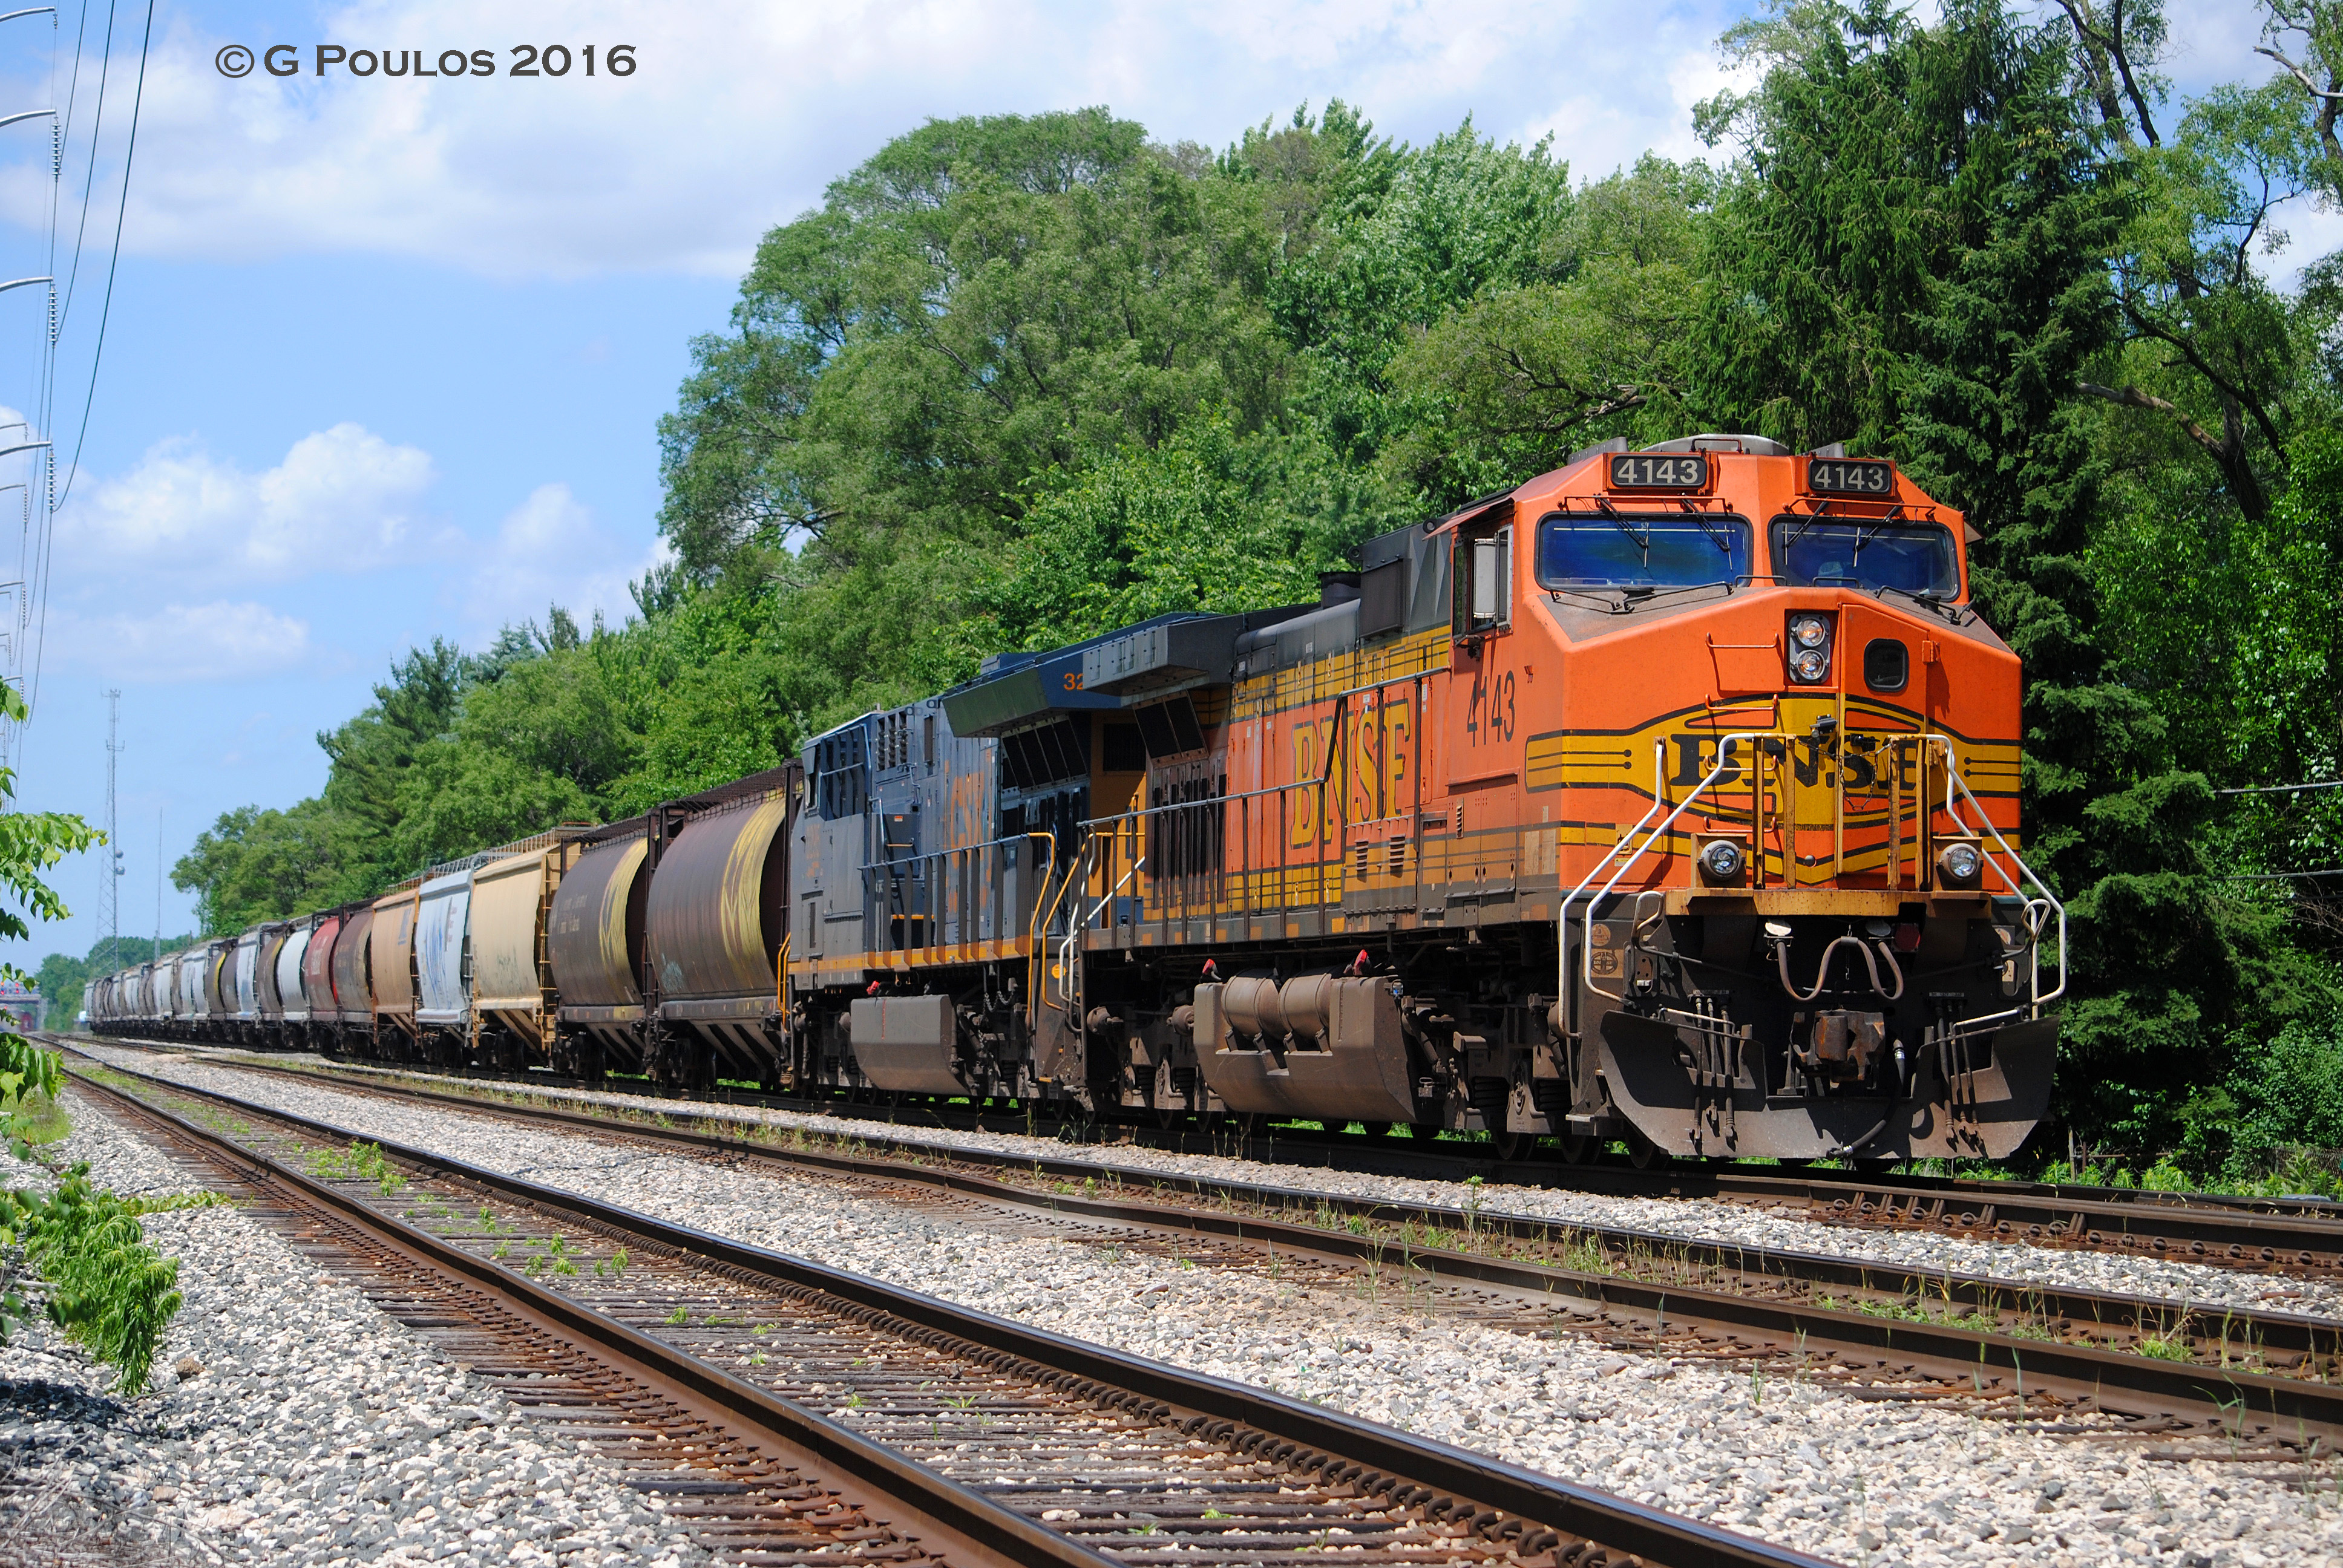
[(1722, 861), (1959, 864), (1809, 648)]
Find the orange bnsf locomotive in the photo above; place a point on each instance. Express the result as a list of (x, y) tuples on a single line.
[(1670, 799)]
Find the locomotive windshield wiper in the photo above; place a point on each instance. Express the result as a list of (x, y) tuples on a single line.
[(1934, 601), (1631, 595)]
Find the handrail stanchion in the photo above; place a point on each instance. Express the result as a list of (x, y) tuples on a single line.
[(1725, 748), (1953, 781)]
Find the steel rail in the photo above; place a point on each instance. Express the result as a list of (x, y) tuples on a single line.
[(891, 1488), (2223, 1230), (2076, 1374), (2290, 1334), (2209, 1231), (1215, 1406)]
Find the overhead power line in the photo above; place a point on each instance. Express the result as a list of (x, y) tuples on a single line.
[(2278, 876), (2281, 788), (129, 154)]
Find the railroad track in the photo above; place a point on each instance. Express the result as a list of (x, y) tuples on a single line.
[(2019, 1352), (2298, 1237), (706, 1368)]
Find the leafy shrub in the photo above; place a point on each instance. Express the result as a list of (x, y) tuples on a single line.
[(110, 1291)]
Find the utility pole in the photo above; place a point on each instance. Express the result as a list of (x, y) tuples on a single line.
[(110, 889), (158, 881)]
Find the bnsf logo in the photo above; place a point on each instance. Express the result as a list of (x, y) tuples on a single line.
[(1811, 762)]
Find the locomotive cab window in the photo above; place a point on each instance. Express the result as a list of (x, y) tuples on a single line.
[(1835, 552), (1681, 550)]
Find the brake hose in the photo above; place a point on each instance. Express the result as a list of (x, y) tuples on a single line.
[(1821, 971)]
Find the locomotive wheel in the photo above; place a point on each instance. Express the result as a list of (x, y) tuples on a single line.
[(1375, 1128), (1642, 1153), (1576, 1148), (1514, 1146)]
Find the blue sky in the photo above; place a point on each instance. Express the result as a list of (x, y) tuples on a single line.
[(384, 359)]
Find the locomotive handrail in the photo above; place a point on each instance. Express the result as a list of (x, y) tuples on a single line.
[(1659, 798), (2037, 909), (945, 856), (2034, 920), (1036, 947), (1080, 921)]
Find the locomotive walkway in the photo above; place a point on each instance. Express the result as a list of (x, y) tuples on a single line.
[(2034, 1352), (952, 1436)]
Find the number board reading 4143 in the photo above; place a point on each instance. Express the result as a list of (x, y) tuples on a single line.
[(1839, 476), (1641, 471)]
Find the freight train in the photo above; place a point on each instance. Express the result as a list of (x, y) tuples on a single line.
[(1670, 800)]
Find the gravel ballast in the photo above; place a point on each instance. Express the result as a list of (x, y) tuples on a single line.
[(1859, 1481), (292, 1422), (1694, 1219)]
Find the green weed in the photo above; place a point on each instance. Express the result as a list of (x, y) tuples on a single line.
[(107, 1288)]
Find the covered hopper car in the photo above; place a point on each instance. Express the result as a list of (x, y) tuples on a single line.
[(1670, 797)]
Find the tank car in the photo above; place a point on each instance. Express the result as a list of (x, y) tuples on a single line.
[(665, 935)]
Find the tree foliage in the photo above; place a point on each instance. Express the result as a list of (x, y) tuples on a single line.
[(1021, 378)]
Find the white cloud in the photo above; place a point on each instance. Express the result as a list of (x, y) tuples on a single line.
[(550, 550), (179, 643), (343, 500), (740, 112)]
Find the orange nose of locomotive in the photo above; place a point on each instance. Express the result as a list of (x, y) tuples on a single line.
[(1783, 756)]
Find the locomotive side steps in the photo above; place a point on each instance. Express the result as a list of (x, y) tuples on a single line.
[(1515, 1515), (2218, 1393)]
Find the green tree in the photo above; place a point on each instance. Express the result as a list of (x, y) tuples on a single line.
[(370, 755), (31, 845), (62, 979), (1409, 237), (1208, 520), (1915, 258), (984, 299), (254, 864), (1506, 384)]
